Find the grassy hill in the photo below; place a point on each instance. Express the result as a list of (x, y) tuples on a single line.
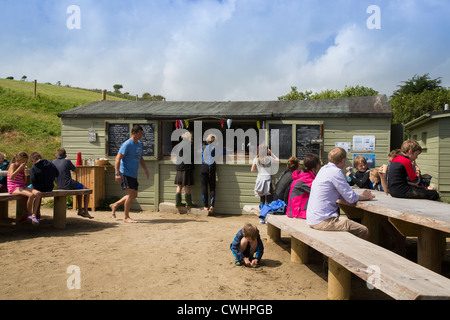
[(31, 124)]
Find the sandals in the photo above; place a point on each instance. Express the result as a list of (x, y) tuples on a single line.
[(34, 220)]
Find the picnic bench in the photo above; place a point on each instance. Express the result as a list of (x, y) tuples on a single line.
[(59, 208), (427, 220), (398, 277)]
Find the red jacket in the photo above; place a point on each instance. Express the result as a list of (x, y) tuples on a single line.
[(299, 194)]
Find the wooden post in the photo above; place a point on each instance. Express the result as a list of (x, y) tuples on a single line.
[(429, 249), (21, 208), (103, 95), (273, 233), (4, 210), (339, 281), (35, 88), (299, 251), (59, 212), (372, 222)]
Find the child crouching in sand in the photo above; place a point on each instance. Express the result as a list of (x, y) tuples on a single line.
[(246, 243)]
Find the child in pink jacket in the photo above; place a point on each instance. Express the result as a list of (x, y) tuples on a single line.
[(301, 186)]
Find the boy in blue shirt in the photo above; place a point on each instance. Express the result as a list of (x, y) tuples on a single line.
[(246, 243), (128, 159)]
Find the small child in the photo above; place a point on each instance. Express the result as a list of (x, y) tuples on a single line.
[(43, 173), (246, 243), (4, 164), (375, 179), (362, 176), (16, 185), (42, 176), (262, 164)]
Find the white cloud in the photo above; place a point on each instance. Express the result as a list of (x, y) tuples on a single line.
[(229, 50)]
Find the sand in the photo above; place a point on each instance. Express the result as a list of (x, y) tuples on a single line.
[(165, 256)]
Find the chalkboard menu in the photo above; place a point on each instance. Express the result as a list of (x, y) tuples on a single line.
[(306, 134), (285, 140), (148, 139), (118, 133)]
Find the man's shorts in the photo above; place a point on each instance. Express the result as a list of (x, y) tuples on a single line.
[(79, 186), (129, 183), (342, 224)]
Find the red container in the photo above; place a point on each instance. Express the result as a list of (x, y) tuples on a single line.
[(79, 161)]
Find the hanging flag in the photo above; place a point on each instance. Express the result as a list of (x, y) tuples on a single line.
[(221, 122), (258, 124), (186, 122)]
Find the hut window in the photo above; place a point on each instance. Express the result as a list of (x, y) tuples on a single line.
[(423, 141), (168, 127)]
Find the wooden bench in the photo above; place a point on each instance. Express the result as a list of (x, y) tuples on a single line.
[(427, 220), (59, 208), (398, 277)]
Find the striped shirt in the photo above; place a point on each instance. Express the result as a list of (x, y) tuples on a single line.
[(17, 182)]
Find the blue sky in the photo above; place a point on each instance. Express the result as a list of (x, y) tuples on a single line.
[(211, 50)]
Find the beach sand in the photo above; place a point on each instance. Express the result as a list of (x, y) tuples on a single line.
[(165, 256)]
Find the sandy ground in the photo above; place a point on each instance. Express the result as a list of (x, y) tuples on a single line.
[(165, 256)]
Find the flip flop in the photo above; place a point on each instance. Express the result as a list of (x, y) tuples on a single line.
[(33, 220)]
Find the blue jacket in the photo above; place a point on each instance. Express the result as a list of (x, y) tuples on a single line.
[(236, 243)]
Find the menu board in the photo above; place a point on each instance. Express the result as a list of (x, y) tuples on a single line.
[(307, 136), (285, 140), (118, 133), (148, 138)]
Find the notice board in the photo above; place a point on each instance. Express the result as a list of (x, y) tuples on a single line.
[(285, 140), (148, 138), (308, 140), (118, 133)]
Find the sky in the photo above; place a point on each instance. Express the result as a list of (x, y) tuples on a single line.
[(225, 50)]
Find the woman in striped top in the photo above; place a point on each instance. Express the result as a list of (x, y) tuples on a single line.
[(16, 185)]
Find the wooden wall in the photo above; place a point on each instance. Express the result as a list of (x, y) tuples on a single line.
[(235, 182)]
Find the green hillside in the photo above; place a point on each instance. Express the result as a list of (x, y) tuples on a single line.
[(31, 124)]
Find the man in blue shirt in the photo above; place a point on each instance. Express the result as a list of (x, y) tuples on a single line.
[(128, 159), (329, 186)]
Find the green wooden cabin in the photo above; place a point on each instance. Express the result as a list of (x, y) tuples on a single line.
[(98, 128), (432, 131)]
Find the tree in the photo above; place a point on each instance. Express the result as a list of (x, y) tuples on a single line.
[(358, 91), (148, 97), (417, 85), (411, 106), (417, 96), (24, 78), (117, 88)]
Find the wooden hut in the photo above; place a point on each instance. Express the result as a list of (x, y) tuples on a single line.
[(362, 125)]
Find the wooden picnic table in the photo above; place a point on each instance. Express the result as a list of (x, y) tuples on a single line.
[(428, 220), (59, 206)]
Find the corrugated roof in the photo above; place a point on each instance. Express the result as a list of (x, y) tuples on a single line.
[(427, 117), (373, 106)]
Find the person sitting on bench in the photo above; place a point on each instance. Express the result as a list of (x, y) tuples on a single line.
[(330, 185)]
